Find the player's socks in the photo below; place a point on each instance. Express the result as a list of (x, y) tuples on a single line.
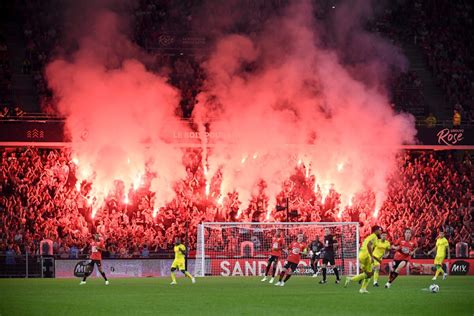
[(393, 276), (103, 275), (287, 277), (439, 270), (173, 277), (324, 274), (376, 276), (274, 271), (348, 280), (359, 277), (336, 272), (84, 279), (188, 275), (268, 270), (281, 276), (365, 282)]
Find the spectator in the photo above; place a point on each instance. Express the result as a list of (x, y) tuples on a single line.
[(19, 112), (145, 252), (10, 256), (430, 121), (5, 112), (456, 119), (73, 252)]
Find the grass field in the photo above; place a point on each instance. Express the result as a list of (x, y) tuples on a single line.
[(232, 296)]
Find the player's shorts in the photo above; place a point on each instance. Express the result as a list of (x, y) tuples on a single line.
[(315, 257), (365, 262), (329, 258), (97, 262), (397, 263), (272, 259), (178, 264), (439, 260), (291, 265)]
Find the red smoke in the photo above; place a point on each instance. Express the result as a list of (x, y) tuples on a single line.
[(118, 113), (297, 104), (277, 99)]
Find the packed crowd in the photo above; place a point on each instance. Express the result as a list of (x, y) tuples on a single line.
[(39, 199)]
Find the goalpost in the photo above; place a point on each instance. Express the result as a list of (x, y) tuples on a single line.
[(242, 249)]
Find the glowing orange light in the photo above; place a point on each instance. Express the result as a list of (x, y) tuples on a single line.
[(208, 188), (267, 217), (340, 166)]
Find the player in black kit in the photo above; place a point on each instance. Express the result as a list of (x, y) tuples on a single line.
[(328, 255), (316, 246)]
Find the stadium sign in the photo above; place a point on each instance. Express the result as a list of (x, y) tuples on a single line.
[(459, 267), (450, 137), (445, 137), (41, 133), (117, 268), (255, 267), (82, 269)]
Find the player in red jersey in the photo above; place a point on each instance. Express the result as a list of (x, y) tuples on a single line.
[(97, 246), (278, 243), (296, 248), (405, 248)]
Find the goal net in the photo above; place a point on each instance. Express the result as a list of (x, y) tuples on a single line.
[(243, 249)]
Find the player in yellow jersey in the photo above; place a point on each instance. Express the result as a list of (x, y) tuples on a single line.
[(366, 259), (381, 248), (179, 261), (442, 248)]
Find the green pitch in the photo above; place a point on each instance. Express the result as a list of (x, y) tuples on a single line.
[(232, 296)]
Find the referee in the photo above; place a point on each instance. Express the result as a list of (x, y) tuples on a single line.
[(328, 256)]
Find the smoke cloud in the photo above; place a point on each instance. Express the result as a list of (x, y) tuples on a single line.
[(118, 113), (280, 98)]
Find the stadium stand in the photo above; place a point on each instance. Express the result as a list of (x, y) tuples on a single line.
[(38, 197)]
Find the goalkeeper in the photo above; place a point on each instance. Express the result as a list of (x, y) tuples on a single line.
[(316, 246)]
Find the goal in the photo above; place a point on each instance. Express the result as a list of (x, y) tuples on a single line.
[(242, 249)]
